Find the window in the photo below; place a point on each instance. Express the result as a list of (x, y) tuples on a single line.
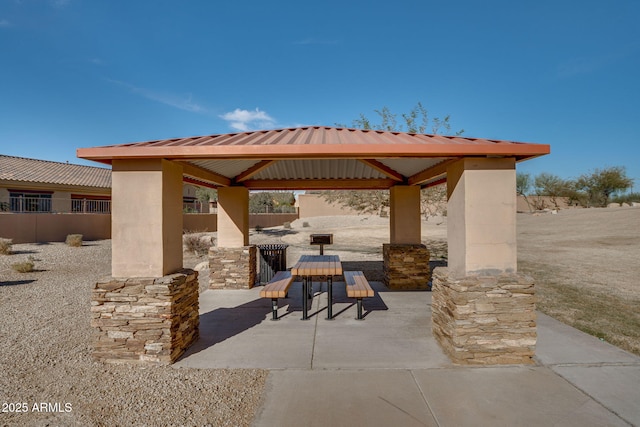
[(29, 201)]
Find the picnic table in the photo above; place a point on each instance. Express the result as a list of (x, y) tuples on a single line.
[(317, 265)]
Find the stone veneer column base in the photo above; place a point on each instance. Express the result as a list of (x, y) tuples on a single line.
[(485, 320), (406, 266), (232, 268), (138, 320)]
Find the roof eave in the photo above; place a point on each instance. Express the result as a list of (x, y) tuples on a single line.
[(313, 151)]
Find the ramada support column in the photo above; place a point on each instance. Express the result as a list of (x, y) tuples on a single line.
[(406, 259), (148, 310), (483, 310), (233, 261)]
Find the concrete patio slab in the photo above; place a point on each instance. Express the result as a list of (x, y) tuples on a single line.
[(559, 343), (395, 334), (388, 369), (343, 398), (616, 387), (509, 396), (604, 372)]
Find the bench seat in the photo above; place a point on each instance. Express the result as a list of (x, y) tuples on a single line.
[(278, 287), (357, 287)]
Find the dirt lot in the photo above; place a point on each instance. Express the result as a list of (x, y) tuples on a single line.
[(586, 263)]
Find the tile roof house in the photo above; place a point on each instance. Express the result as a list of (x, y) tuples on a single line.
[(32, 185)]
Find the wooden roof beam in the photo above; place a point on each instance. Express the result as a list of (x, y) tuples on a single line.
[(430, 173), (253, 170), (384, 169), (319, 184), (204, 175)]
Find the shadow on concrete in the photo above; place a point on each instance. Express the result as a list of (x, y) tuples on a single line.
[(223, 323), (373, 270), (374, 303)]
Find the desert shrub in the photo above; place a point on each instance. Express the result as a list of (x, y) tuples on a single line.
[(287, 225), (25, 266), (305, 224), (74, 240), (5, 246), (600, 185), (627, 198), (258, 228), (195, 243)]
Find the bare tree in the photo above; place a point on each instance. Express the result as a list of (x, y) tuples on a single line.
[(433, 201), (415, 121)]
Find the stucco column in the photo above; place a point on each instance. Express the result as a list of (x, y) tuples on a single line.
[(146, 218), (404, 214), (233, 217), (481, 216)]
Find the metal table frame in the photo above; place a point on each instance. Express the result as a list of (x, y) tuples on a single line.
[(317, 265)]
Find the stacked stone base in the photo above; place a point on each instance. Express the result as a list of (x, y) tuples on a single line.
[(485, 320), (145, 320), (232, 268), (406, 266)]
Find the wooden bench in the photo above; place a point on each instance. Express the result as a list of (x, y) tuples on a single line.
[(357, 287), (277, 287)]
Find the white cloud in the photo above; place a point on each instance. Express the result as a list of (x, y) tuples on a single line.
[(245, 120), (181, 102)]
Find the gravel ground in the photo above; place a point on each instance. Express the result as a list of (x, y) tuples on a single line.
[(45, 356)]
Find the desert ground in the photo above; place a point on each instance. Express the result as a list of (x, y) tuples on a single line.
[(585, 262)]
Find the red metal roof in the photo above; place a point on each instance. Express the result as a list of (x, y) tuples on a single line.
[(316, 141), (315, 156)]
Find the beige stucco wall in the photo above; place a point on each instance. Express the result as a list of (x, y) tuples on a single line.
[(271, 220), (47, 227), (189, 190), (233, 217), (61, 201), (544, 202), (310, 205), (481, 216), (146, 218), (404, 215), (4, 195)]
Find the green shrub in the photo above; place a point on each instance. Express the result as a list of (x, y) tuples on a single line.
[(74, 240), (305, 224), (258, 228), (5, 246), (287, 225), (25, 266)]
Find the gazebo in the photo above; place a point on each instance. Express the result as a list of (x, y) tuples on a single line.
[(147, 311)]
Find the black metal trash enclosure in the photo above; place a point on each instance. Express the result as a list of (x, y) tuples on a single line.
[(273, 258)]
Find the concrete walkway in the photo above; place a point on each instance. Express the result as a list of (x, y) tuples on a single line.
[(389, 370)]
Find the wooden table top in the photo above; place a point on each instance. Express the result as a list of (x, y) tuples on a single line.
[(317, 265)]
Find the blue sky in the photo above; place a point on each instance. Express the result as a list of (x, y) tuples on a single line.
[(80, 73)]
